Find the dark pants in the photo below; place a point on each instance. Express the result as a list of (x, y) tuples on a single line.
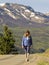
[(27, 49)]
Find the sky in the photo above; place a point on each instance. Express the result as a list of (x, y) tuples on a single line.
[(37, 5)]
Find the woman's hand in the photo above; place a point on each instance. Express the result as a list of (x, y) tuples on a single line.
[(22, 46)]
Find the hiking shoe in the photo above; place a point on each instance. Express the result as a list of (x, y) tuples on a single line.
[(27, 60)]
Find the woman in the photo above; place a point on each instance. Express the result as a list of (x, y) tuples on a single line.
[(26, 43)]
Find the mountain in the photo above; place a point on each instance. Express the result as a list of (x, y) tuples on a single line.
[(21, 15), (47, 14)]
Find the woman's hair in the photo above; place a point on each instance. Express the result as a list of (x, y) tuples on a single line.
[(27, 33)]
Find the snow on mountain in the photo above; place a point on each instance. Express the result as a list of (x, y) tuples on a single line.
[(27, 11), (2, 4), (7, 9), (23, 7), (10, 13), (32, 14), (19, 15), (24, 16)]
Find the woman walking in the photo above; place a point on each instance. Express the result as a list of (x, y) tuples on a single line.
[(26, 43)]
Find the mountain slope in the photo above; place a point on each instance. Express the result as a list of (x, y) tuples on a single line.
[(20, 15)]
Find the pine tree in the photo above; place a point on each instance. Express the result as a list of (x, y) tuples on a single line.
[(1, 44), (6, 41)]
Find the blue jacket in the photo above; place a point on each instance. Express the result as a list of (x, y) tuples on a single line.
[(26, 42)]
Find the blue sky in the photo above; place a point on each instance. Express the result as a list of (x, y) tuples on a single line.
[(37, 5)]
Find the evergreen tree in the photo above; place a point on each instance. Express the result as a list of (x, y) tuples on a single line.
[(1, 44), (6, 41)]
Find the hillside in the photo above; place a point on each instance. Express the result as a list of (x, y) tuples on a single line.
[(35, 59), (20, 18), (40, 38), (20, 15)]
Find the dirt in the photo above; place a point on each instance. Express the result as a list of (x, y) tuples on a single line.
[(20, 59)]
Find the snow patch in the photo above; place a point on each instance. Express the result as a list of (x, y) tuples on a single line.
[(2, 4), (32, 15), (7, 9), (27, 11), (23, 7), (24, 16), (17, 10), (10, 13), (36, 17)]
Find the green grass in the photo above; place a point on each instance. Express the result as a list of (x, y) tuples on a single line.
[(43, 63), (44, 58)]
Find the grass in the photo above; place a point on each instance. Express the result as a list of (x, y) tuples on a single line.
[(46, 53), (44, 58), (43, 63)]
